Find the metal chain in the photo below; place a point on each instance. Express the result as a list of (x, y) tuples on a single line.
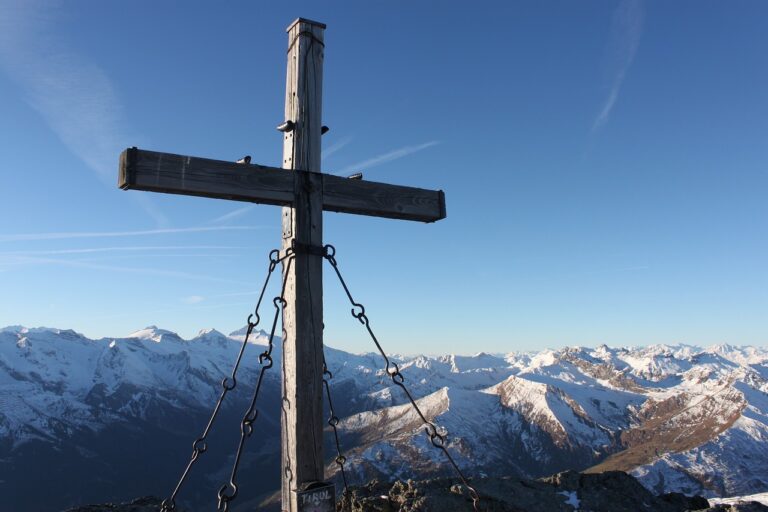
[(227, 384), (437, 439), (333, 421), (228, 491)]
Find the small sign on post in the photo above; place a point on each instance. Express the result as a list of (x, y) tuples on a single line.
[(317, 497), (304, 193)]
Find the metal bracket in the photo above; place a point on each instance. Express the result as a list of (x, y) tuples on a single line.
[(286, 127), (287, 223), (314, 250)]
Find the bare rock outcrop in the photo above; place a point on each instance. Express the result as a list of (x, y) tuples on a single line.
[(612, 491), (146, 504)]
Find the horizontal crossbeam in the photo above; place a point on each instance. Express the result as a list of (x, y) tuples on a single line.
[(186, 175)]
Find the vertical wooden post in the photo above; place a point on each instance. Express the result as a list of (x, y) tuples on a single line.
[(302, 414)]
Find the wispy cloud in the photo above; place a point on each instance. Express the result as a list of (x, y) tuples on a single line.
[(139, 248), (193, 307), (73, 95), (27, 260), (386, 157), (232, 215), (626, 29), (238, 294), (112, 234), (193, 299), (336, 147), (150, 209)]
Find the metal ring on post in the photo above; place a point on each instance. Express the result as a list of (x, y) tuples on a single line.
[(223, 496), (200, 446), (228, 383)]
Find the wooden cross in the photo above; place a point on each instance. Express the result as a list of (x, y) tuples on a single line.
[(304, 193)]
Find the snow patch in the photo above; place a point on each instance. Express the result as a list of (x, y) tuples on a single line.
[(571, 499)]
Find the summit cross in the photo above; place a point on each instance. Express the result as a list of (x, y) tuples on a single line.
[(303, 192)]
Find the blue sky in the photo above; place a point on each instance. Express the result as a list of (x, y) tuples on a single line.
[(605, 166)]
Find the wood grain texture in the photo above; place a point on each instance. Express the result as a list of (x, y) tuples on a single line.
[(382, 200), (304, 193), (178, 174), (302, 404)]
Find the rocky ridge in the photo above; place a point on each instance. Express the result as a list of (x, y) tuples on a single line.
[(680, 418), (613, 491)]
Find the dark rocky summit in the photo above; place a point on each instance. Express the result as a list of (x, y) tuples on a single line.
[(612, 491), (749, 506), (111, 419), (148, 504)]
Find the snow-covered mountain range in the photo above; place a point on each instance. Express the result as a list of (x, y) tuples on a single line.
[(92, 420)]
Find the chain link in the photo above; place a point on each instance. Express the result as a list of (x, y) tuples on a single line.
[(229, 491), (200, 444), (437, 439), (333, 421)]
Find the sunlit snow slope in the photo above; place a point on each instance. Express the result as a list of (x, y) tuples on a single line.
[(115, 418)]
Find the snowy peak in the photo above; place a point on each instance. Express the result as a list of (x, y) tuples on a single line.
[(740, 355), (552, 410), (212, 337), (155, 334), (667, 413), (241, 332), (479, 361), (257, 336), (399, 421), (13, 329)]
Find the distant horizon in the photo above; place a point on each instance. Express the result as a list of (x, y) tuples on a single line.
[(603, 164), (230, 334)]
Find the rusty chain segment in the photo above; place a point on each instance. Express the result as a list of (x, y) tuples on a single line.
[(229, 490), (200, 445), (437, 439), (333, 421)]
